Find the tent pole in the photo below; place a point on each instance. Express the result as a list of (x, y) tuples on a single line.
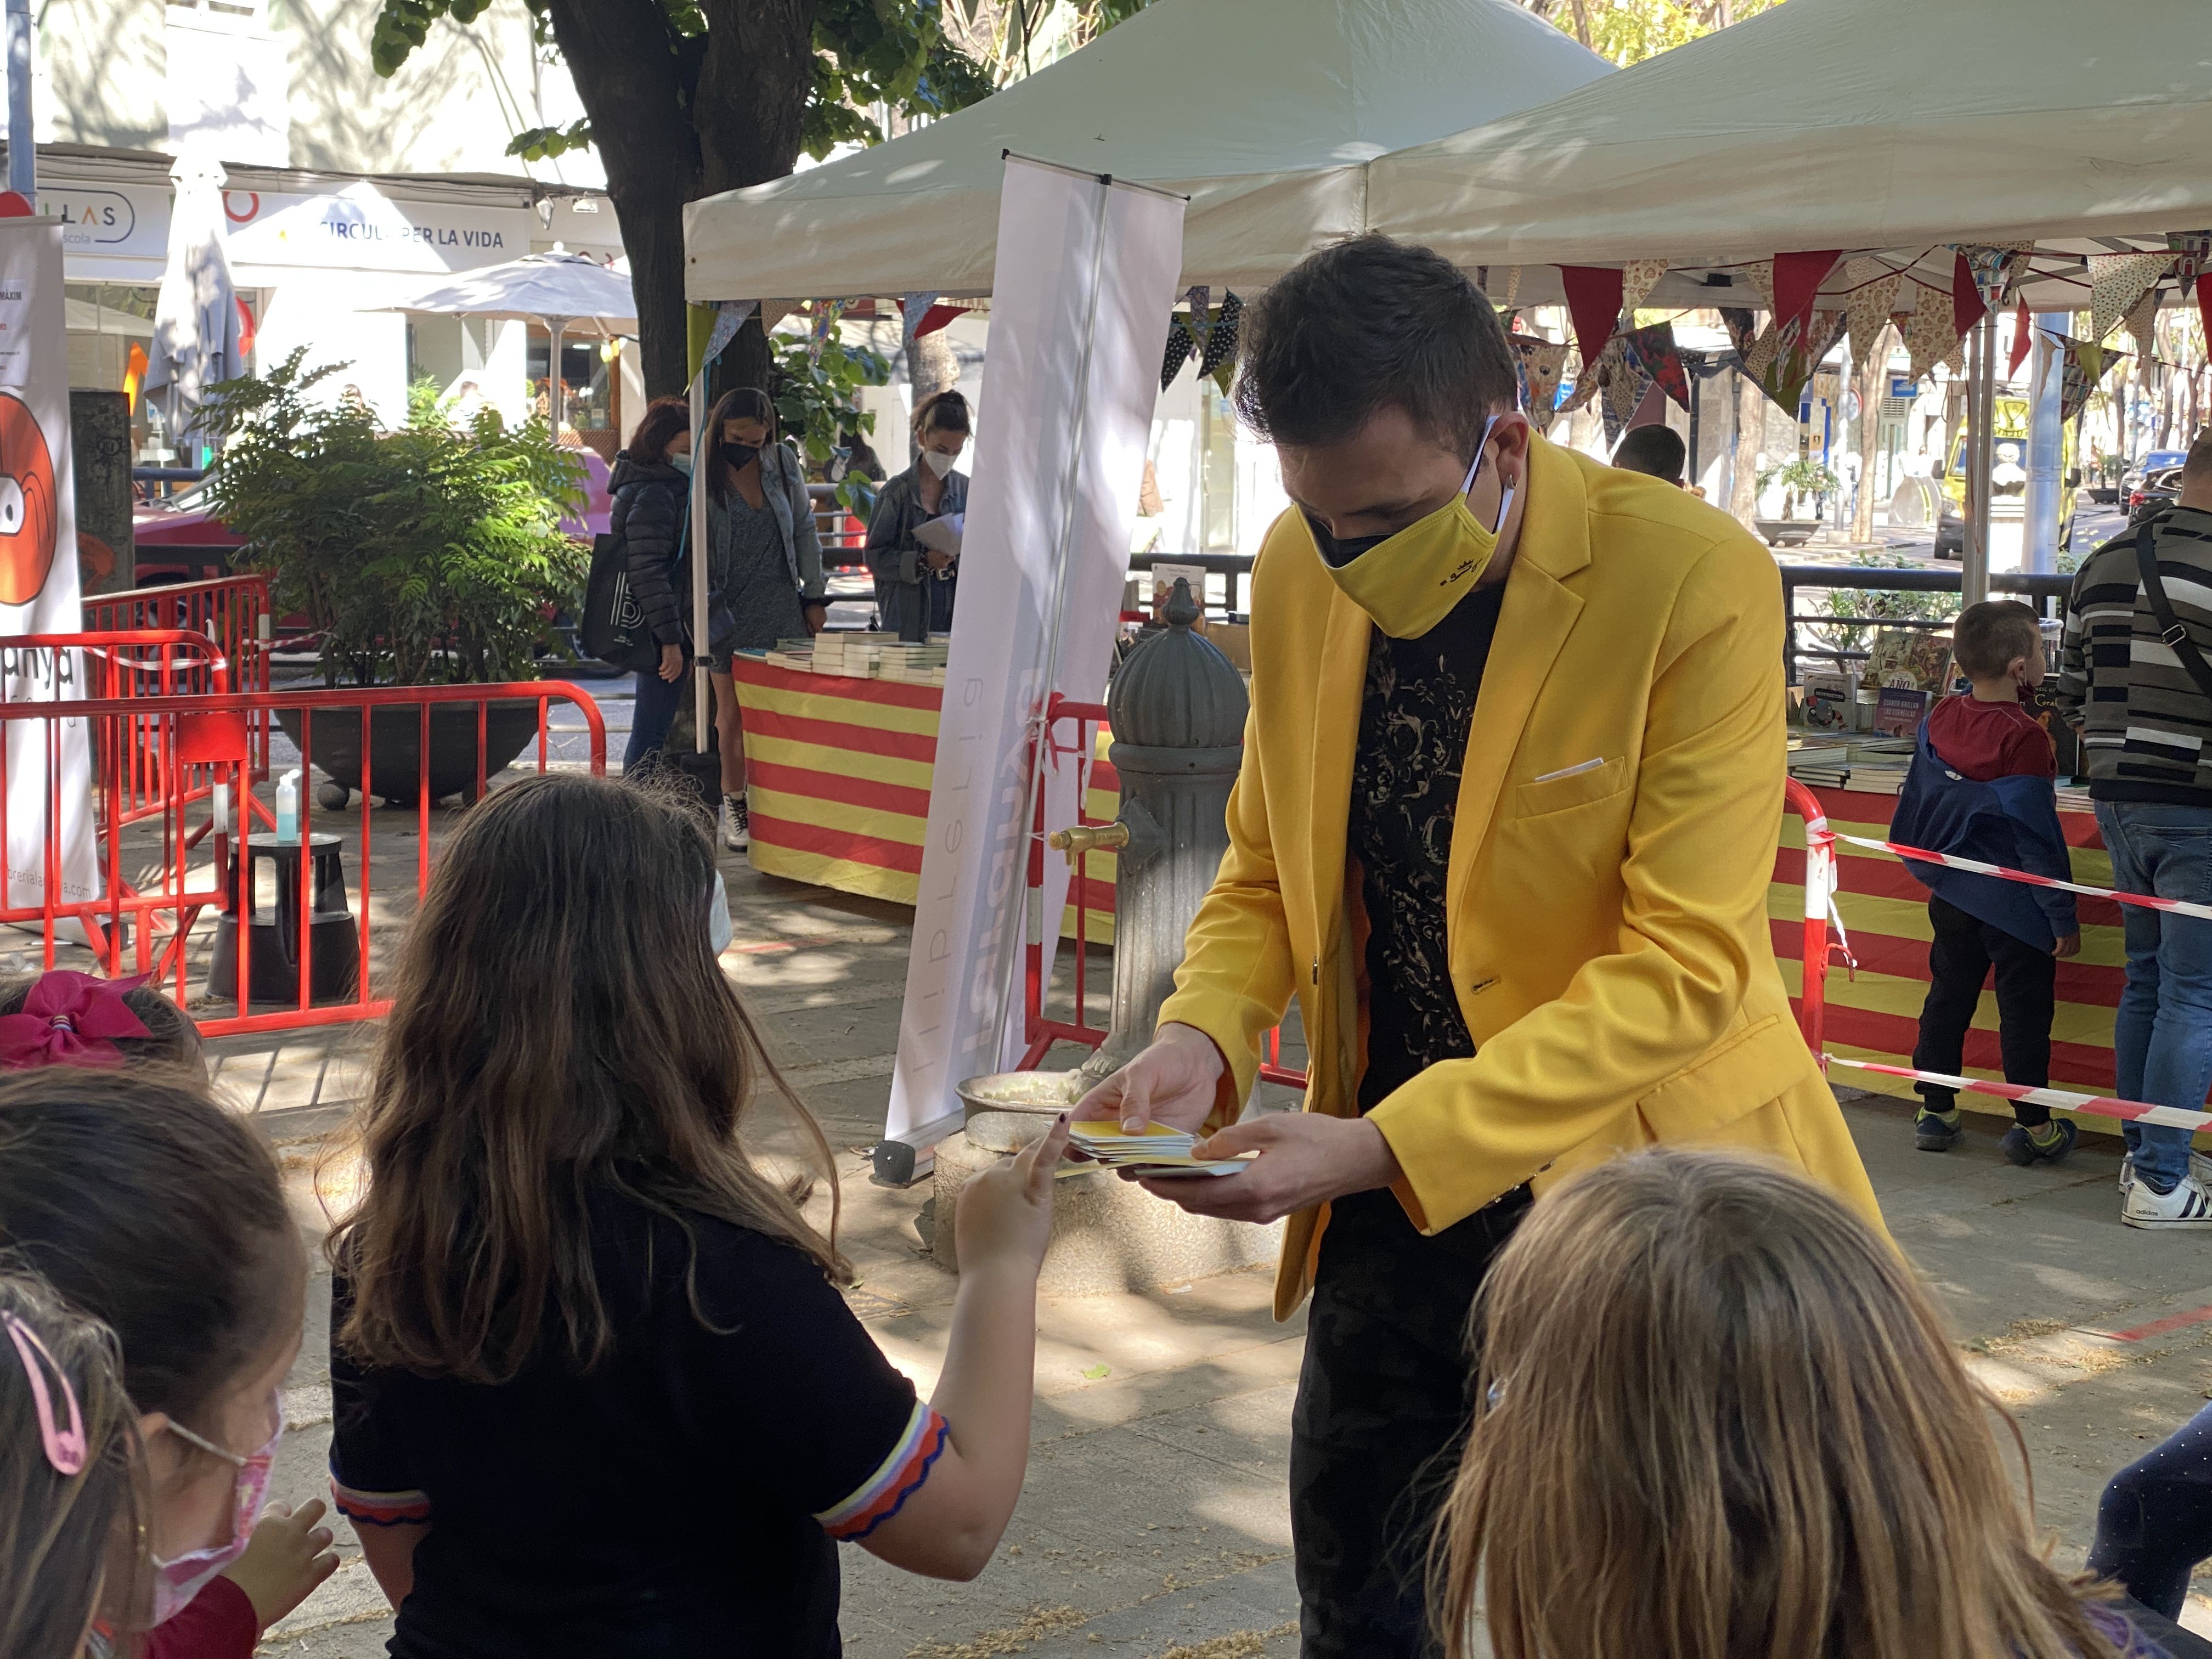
[(22, 147), (2047, 445), (1981, 402), (555, 393), (699, 449)]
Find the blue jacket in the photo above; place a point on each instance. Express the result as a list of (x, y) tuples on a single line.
[(2012, 822)]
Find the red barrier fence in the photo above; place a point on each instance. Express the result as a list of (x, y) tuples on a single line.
[(200, 745), (1041, 933), (232, 611)]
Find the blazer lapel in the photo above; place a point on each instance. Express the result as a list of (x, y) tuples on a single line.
[(1533, 625), (1340, 684)]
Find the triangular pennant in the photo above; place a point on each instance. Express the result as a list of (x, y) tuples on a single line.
[(1797, 279), (2204, 303), (1589, 377), (1761, 274), (2023, 337), (1967, 305), (1652, 352), (2143, 323), (923, 314), (2118, 282), (1512, 286), (1742, 325), (1594, 301), (1624, 386), (1995, 268), (709, 328), (2192, 252), (1796, 353), (1537, 363), (1221, 339), (1930, 334), (1637, 279), (1180, 346), (1873, 296), (2084, 363)]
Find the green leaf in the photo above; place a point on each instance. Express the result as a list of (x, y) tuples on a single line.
[(1096, 1372)]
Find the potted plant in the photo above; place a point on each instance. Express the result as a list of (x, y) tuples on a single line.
[(430, 555), (1802, 476)]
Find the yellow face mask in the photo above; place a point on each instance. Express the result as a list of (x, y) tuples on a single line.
[(1409, 580)]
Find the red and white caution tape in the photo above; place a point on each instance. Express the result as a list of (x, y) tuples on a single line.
[(2149, 902), (2132, 1111)]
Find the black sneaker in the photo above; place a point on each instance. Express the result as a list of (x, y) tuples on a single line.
[(2021, 1147), (1937, 1132)]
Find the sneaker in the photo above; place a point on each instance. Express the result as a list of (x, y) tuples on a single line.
[(2127, 1173), (1937, 1132), (737, 831), (2022, 1147), (2200, 1166), (2188, 1207)]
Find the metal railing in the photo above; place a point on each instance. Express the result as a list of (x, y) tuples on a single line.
[(2048, 594)]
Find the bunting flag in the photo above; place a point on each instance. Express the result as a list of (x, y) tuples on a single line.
[(708, 328), (1873, 297), (826, 314), (2192, 252), (1588, 379), (1652, 353), (1637, 278), (1625, 383), (2143, 323), (1512, 286), (1967, 305), (1760, 275), (1797, 279), (2023, 335), (922, 314), (1995, 267), (2204, 303), (1760, 357), (1200, 297), (2084, 365), (1594, 302), (1930, 334), (1220, 357), (1742, 325), (2118, 282), (1796, 352), (1181, 343), (1537, 364)]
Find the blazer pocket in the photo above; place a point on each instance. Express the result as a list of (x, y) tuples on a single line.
[(1574, 789), (1735, 1077)]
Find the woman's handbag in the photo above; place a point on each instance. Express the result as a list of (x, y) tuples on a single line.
[(614, 629)]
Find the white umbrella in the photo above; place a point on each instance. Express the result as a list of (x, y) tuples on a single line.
[(561, 291), (196, 324)]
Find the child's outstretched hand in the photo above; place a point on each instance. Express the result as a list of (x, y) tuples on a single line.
[(1004, 1217), (288, 1556)]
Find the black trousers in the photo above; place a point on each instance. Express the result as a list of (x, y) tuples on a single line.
[(1383, 1404), (1964, 950)]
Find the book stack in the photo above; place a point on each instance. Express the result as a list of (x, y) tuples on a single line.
[(797, 655), (1156, 1150), (856, 656), (915, 665)]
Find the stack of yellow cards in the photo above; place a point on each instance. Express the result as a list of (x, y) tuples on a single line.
[(1157, 1151)]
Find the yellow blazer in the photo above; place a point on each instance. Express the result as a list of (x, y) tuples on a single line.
[(1607, 926)]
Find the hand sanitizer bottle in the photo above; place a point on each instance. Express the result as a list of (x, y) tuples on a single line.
[(287, 806)]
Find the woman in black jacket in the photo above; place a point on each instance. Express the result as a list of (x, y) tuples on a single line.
[(652, 488)]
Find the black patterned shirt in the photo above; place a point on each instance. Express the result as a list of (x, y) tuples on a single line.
[(1413, 725)]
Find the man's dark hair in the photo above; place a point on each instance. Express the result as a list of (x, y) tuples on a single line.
[(1989, 636), (1655, 449), (2196, 469), (1368, 324)]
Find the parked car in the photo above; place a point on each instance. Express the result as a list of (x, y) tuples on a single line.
[(2154, 494), (2157, 461)]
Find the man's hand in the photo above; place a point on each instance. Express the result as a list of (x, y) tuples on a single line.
[(1305, 1159), (1171, 1082), (816, 615), (2070, 944)]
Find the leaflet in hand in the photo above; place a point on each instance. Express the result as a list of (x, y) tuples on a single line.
[(1157, 1150), (942, 535)]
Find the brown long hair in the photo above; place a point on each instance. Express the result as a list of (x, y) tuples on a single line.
[(744, 403), (63, 1537), (1718, 1419), (559, 1028)]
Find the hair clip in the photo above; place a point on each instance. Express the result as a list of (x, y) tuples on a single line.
[(70, 1018), (65, 1448)]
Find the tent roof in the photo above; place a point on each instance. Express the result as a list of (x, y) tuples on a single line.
[(1262, 110), (1859, 125)]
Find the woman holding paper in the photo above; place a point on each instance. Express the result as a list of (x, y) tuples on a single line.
[(915, 583)]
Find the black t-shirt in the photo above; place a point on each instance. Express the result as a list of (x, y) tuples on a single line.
[(1413, 726), (680, 1500)]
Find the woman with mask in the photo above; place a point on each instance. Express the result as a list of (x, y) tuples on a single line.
[(764, 567), (651, 486), (915, 585)]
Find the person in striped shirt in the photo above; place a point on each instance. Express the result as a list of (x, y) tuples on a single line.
[(2132, 688)]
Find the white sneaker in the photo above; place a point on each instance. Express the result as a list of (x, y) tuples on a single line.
[(2200, 1166), (2188, 1207), (738, 824)]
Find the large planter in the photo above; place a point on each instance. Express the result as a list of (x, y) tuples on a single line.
[(1786, 532), (395, 755)]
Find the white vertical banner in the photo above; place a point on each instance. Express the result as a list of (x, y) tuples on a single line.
[(1079, 301), (38, 591)]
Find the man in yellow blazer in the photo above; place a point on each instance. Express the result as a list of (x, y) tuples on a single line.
[(1507, 817)]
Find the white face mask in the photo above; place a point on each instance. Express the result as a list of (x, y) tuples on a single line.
[(681, 462), (938, 461)]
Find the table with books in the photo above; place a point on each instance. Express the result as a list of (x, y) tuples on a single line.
[(840, 740)]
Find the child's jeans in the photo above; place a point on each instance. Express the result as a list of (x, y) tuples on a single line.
[(2154, 1520), (1964, 950)]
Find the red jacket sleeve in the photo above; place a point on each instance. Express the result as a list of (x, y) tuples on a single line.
[(216, 1623)]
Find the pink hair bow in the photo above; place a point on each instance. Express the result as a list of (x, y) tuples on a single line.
[(70, 1019)]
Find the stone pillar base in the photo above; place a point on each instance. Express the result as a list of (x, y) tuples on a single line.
[(1107, 1234)]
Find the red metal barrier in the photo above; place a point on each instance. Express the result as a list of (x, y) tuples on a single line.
[(144, 927), (1819, 905), (1039, 1032), (232, 611)]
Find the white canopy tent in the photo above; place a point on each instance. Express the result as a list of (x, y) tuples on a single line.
[(1867, 125), (1263, 111)]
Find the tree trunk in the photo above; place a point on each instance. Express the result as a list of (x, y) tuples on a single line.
[(1872, 374), (931, 368), (1750, 430)]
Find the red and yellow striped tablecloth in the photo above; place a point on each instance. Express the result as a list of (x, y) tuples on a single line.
[(839, 772), (1885, 912)]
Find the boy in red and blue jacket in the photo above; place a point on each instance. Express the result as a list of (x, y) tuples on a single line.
[(1982, 786)]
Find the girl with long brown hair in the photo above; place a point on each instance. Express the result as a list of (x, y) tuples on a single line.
[(1716, 1418), (595, 1389)]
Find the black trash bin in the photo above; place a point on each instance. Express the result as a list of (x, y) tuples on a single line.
[(333, 937)]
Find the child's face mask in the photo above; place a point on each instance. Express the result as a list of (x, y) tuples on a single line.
[(177, 1582)]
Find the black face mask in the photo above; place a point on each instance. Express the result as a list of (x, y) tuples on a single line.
[(739, 456), (1338, 554)]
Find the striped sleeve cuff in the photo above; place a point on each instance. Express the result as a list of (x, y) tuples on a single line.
[(896, 1479), (380, 1508)]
